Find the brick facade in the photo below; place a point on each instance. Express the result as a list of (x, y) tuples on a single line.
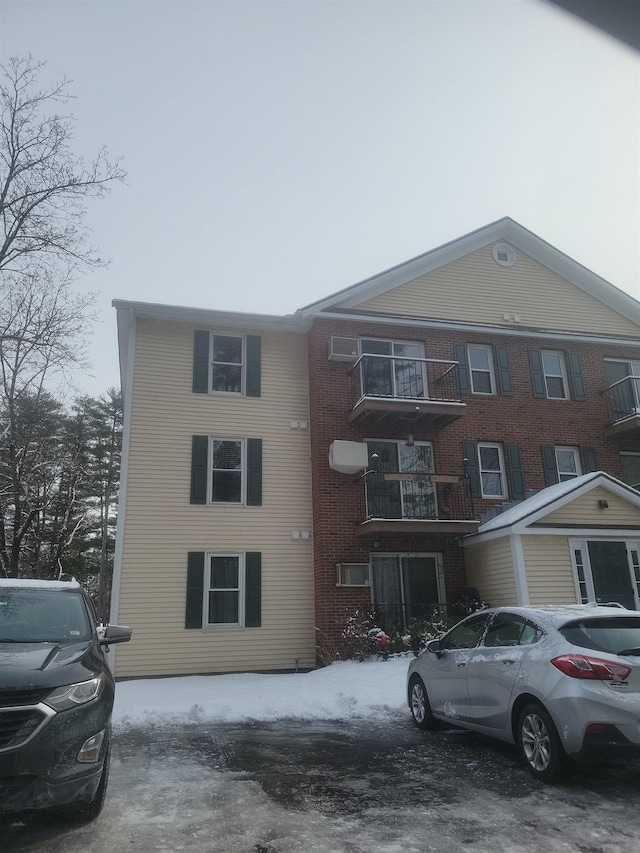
[(518, 418)]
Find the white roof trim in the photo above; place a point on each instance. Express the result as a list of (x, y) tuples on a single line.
[(505, 229), (482, 328), (208, 317), (518, 518)]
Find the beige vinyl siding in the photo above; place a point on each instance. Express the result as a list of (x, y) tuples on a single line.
[(585, 511), (549, 572), (476, 289), (490, 571), (161, 525)]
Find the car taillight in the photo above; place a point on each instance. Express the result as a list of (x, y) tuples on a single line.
[(582, 666)]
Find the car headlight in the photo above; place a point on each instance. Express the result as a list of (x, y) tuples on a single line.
[(72, 695)]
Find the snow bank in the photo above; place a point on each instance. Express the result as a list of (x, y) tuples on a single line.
[(345, 690)]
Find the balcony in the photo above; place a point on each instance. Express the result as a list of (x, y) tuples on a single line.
[(416, 503), (623, 403), (415, 391)]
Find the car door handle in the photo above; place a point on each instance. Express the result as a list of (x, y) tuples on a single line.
[(508, 661), (462, 663)]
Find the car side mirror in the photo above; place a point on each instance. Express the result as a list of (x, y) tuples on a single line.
[(435, 647), (114, 634)]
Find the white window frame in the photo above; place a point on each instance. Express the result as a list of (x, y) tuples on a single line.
[(548, 375), (563, 476), (243, 471), (493, 445), (240, 590), (241, 365), (492, 379)]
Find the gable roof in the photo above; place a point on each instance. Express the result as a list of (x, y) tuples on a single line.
[(534, 509), (505, 229)]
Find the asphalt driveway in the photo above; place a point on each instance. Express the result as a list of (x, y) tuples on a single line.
[(294, 787)]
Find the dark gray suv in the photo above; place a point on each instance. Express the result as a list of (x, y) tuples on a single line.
[(56, 698)]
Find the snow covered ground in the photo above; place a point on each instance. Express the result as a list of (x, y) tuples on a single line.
[(341, 691)]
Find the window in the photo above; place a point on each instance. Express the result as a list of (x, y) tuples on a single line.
[(550, 378), (226, 470), (393, 369), (555, 376), (466, 635), (226, 364), (223, 587), (481, 370), (567, 463), (630, 464), (227, 464), (488, 476), (508, 629), (492, 479), (224, 590), (399, 483)]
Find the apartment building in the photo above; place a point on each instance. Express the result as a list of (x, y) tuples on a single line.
[(468, 419)]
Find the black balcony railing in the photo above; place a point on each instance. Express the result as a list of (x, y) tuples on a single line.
[(401, 378), (623, 399), (417, 496), (394, 618)]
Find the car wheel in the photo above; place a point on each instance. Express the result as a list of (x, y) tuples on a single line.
[(419, 704), (89, 811), (539, 744)]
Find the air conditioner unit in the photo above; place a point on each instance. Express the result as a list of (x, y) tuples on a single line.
[(344, 349), (353, 574), (348, 457)]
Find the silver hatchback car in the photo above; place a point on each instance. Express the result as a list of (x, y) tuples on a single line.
[(561, 682)]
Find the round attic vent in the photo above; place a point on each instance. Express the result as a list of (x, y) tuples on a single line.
[(504, 254)]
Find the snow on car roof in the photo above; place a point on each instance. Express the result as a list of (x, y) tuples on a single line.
[(37, 583), (558, 614)]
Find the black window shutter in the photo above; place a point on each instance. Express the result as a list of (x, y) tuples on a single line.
[(537, 373), (200, 362), (253, 589), (195, 589), (515, 472), (460, 355), (504, 372), (253, 365), (589, 460), (577, 382), (470, 451), (199, 447), (549, 464), (254, 472)]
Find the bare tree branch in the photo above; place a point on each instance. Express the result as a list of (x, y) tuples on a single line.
[(44, 241)]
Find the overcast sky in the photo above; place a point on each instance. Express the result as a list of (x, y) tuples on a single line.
[(280, 151)]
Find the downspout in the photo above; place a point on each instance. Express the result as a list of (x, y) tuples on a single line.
[(127, 393)]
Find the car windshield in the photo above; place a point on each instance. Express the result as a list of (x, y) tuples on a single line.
[(42, 616), (605, 634)]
